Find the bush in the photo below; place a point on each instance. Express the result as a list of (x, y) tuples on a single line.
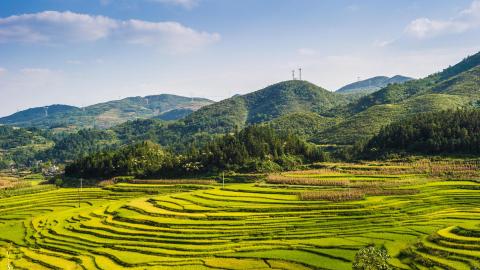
[(58, 182), (263, 166), (371, 258)]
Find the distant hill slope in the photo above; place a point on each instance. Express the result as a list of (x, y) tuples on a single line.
[(371, 85), (104, 115), (37, 114), (263, 105), (449, 131), (18, 145), (455, 87)]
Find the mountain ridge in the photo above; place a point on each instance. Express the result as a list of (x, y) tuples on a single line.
[(105, 114), (372, 84)]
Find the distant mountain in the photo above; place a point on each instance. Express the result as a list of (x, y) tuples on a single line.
[(37, 114), (372, 84), (104, 115)]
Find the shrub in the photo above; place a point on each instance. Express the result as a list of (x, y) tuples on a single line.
[(371, 258)]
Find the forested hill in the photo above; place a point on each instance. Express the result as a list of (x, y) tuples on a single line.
[(455, 87), (263, 105), (107, 114), (396, 93), (254, 149), (446, 132), (30, 116)]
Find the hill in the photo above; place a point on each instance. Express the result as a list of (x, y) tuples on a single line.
[(26, 117), (262, 106), (442, 132), (371, 85), (104, 115), (455, 87), (19, 146)]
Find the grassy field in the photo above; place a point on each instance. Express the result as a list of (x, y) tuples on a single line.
[(427, 215)]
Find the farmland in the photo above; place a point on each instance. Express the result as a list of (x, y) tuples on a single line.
[(426, 214)]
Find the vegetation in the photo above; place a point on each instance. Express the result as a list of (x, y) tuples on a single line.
[(142, 159), (79, 144), (175, 225), (446, 132), (296, 107), (371, 258), (103, 115), (255, 148)]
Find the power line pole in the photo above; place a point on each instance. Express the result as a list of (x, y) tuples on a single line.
[(223, 180)]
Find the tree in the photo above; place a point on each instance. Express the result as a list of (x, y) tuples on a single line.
[(371, 258)]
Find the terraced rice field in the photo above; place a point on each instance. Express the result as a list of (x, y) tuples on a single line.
[(262, 225)]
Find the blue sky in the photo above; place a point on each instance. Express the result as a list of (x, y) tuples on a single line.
[(82, 52)]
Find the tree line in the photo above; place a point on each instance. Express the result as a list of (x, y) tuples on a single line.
[(256, 148), (444, 132)]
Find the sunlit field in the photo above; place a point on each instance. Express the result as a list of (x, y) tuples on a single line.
[(427, 215)]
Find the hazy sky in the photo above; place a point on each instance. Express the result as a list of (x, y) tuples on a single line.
[(82, 52)]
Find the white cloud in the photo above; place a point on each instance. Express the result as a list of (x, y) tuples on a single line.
[(168, 34), (188, 4), (53, 27), (465, 20), (2, 71), (307, 51), (382, 43)]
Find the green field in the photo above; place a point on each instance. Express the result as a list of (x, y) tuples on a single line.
[(434, 223)]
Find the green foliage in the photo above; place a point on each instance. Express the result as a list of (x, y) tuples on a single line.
[(303, 124), (255, 148), (141, 159), (15, 137), (450, 131), (371, 258), (175, 114), (79, 144)]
